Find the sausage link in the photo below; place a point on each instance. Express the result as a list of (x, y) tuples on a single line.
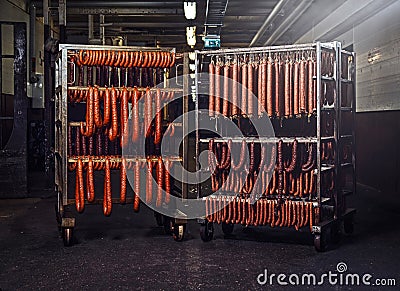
[(136, 195), (225, 106), (148, 111), (122, 175), (296, 88), (158, 119), (160, 181), (113, 131), (235, 101), (287, 89), (96, 105), (269, 99), (88, 131), (107, 199), (107, 106), (250, 102), (90, 181), (217, 101), (244, 90), (124, 117), (293, 162), (302, 86), (310, 87), (149, 182), (278, 86), (79, 189)]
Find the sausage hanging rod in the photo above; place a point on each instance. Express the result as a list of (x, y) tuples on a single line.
[(262, 139), (78, 123), (85, 159), (140, 89)]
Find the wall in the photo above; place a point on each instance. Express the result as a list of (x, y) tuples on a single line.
[(378, 155)]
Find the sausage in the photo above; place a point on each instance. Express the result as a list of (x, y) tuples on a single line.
[(172, 61), (149, 182), (160, 181), (90, 181), (287, 89), (158, 121), (107, 106), (122, 175), (225, 106), (88, 131), (278, 86), (302, 86), (296, 88), (250, 90), (310, 87), (235, 101), (96, 107), (135, 114), (113, 132), (241, 157), (167, 179), (79, 189), (269, 101), (311, 161), (293, 162), (107, 199), (243, 221), (217, 101), (243, 106), (136, 197), (124, 117), (211, 78), (69, 141), (148, 111)]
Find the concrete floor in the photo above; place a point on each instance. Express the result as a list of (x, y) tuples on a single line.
[(128, 250)]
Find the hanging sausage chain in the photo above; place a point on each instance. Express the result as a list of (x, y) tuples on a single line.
[(296, 179), (238, 210), (123, 165), (113, 80), (284, 84)]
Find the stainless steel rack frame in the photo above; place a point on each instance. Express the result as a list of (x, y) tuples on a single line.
[(334, 212), (64, 213)]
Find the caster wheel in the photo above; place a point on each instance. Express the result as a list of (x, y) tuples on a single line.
[(167, 223), (207, 231), (348, 225), (227, 228), (68, 235), (159, 218), (321, 242), (179, 232)]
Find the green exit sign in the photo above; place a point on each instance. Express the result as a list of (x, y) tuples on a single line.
[(212, 42)]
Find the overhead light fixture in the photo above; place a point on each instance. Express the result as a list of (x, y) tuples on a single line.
[(191, 35), (189, 9)]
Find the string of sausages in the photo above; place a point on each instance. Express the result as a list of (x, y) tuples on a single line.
[(235, 210), (294, 177), (162, 172), (285, 84), (124, 59), (116, 124)]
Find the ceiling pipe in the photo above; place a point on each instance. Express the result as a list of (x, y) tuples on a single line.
[(271, 17), (288, 22)]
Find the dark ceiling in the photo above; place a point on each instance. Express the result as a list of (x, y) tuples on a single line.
[(251, 22)]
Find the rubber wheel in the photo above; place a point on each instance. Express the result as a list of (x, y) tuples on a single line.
[(227, 228), (321, 241), (207, 231), (159, 218), (348, 225), (167, 223), (179, 232), (68, 235)]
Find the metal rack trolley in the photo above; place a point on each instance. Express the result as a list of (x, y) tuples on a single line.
[(64, 213), (330, 210)]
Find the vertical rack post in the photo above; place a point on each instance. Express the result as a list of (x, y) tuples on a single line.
[(337, 128), (318, 49), (64, 122), (185, 140)]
